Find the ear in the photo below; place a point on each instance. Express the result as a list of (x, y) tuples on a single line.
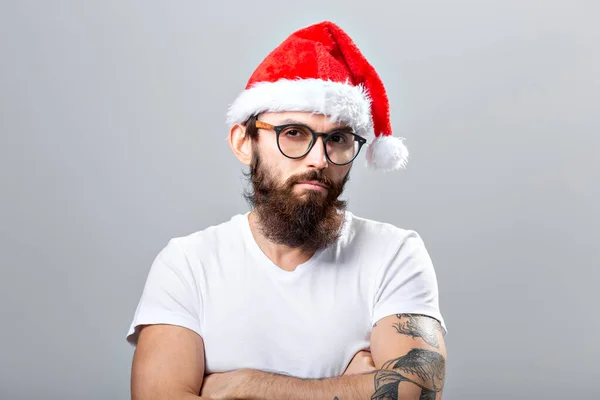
[(240, 144)]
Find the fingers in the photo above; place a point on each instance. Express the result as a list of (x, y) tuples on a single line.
[(368, 358)]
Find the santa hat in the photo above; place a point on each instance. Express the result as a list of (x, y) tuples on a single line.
[(319, 69)]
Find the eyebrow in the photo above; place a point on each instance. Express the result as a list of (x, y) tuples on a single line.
[(293, 121)]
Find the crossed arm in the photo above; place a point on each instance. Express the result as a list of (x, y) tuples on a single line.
[(410, 354), (408, 351)]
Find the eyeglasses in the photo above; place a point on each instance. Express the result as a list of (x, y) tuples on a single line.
[(296, 141)]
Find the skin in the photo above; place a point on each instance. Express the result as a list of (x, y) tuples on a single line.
[(168, 363), (407, 352)]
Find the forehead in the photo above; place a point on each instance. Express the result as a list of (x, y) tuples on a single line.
[(318, 122)]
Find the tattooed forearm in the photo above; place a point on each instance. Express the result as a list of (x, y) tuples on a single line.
[(421, 326), (424, 368)]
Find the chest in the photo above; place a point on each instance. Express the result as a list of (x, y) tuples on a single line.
[(309, 327)]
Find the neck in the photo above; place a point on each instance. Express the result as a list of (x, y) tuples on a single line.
[(285, 257)]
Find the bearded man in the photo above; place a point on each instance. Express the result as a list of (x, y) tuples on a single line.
[(298, 298)]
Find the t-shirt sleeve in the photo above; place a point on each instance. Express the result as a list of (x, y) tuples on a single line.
[(407, 282), (170, 295)]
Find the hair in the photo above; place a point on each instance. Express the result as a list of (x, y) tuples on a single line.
[(252, 133), (251, 129)]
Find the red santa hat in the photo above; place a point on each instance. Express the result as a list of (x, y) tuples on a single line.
[(320, 69)]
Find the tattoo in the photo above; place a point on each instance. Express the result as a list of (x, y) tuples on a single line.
[(429, 366), (421, 326), (336, 398)]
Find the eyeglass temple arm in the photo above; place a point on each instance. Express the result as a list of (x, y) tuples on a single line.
[(263, 125)]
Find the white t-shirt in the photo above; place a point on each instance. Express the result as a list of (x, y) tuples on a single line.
[(307, 323)]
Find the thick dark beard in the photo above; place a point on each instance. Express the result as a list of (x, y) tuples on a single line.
[(309, 222)]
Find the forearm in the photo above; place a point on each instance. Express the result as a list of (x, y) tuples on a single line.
[(178, 396), (268, 386)]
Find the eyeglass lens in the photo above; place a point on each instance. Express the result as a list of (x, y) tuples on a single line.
[(295, 141)]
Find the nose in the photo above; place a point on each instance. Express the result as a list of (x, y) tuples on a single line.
[(316, 157)]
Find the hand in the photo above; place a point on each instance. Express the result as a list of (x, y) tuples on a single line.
[(362, 363), (224, 385)]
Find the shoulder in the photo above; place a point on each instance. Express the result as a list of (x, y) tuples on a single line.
[(211, 237), (378, 233), (382, 244)]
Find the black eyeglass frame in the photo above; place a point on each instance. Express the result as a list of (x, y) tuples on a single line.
[(315, 135)]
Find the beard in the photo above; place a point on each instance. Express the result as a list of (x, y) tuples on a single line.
[(310, 221)]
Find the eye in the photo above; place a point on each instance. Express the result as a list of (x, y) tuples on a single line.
[(337, 138), (341, 138), (297, 132)]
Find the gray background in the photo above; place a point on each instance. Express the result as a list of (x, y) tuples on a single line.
[(113, 141)]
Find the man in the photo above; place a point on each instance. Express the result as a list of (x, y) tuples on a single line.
[(299, 298)]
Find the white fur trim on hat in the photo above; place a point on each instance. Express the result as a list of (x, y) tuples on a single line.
[(387, 153), (340, 101)]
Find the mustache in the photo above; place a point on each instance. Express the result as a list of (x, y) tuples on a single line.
[(312, 175)]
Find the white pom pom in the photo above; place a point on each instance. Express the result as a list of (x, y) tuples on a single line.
[(387, 153)]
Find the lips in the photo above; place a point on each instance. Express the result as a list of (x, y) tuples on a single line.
[(315, 183)]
